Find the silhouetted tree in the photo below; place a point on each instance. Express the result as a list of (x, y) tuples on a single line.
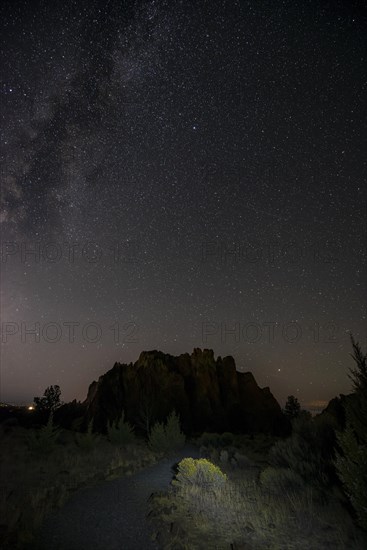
[(351, 463), (50, 401), (292, 407)]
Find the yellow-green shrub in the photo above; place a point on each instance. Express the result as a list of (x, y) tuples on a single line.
[(200, 472)]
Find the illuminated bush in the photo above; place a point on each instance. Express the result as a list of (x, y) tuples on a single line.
[(200, 472)]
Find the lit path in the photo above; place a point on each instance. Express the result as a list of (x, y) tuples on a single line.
[(112, 515)]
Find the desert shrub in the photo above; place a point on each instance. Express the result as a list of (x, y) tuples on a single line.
[(216, 440), (304, 453), (352, 470), (242, 515), (209, 440), (77, 424), (173, 431), (226, 439), (44, 440), (120, 432), (281, 480), (224, 456), (87, 440), (200, 472), (157, 438), (242, 461), (167, 438)]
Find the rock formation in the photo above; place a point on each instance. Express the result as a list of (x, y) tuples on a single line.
[(209, 395)]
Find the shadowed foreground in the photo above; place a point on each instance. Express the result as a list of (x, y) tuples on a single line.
[(111, 515)]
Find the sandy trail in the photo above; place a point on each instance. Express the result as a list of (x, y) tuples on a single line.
[(112, 515)]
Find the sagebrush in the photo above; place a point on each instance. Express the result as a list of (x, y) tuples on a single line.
[(200, 472)]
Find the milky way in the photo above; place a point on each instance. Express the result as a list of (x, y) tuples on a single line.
[(178, 175)]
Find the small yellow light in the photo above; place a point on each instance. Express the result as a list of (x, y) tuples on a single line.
[(31, 408)]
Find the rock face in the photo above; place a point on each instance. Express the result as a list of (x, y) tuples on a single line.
[(209, 395)]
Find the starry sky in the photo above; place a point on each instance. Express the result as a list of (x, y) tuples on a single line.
[(182, 174)]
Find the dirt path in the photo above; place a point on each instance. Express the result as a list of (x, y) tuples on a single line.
[(112, 515)]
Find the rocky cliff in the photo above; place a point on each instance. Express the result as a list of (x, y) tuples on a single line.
[(209, 394)]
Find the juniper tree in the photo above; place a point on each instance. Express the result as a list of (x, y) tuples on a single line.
[(50, 400), (351, 463), (292, 407)]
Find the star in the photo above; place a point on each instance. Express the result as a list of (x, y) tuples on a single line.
[(127, 126)]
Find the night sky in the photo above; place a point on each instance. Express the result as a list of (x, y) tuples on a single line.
[(180, 174)]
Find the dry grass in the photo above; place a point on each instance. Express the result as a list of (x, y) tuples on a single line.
[(35, 482), (243, 514)]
